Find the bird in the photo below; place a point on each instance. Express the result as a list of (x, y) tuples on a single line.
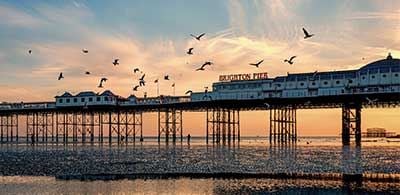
[(306, 34), (166, 77), (308, 143), (173, 85), (290, 61), (60, 76), (142, 77), (85, 51), (116, 62), (208, 63), (188, 92), (30, 51), (371, 101), (136, 87), (101, 82), (87, 72), (136, 70), (142, 83), (189, 52), (267, 105), (201, 68), (256, 64), (156, 81), (198, 37)]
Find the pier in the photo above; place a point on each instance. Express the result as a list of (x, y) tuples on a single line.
[(88, 117)]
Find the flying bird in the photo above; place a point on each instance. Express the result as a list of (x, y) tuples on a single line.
[(136, 70), (166, 77), (257, 64), (87, 72), (102, 80), (30, 51), (142, 77), (208, 63), (156, 81), (189, 92), (173, 85), (142, 83), (85, 51), (371, 101), (60, 76), (136, 87), (306, 34), (290, 61), (198, 37), (190, 51), (116, 62), (201, 68)]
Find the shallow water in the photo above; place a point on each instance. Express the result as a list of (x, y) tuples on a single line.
[(49, 185), (252, 155)]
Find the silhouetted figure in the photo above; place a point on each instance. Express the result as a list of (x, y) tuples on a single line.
[(188, 138), (257, 64), (122, 138), (306, 34), (290, 61), (198, 37), (32, 139), (190, 51), (60, 76)]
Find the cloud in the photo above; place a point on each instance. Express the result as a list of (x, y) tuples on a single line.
[(16, 18)]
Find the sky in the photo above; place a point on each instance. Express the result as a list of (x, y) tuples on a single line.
[(154, 36)]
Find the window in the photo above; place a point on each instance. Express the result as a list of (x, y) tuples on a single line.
[(325, 82), (75, 100), (337, 82), (90, 99), (372, 76), (363, 77), (82, 99), (98, 99), (106, 99), (301, 84), (60, 100), (396, 75), (350, 81), (68, 100), (313, 83)]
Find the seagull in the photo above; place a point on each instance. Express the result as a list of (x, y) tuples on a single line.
[(87, 72), (116, 62), (256, 64), (173, 85), (189, 52), (135, 70), (166, 77), (290, 61), (142, 83), (197, 37), (201, 68), (156, 81), (85, 51), (136, 87), (142, 77), (371, 101), (60, 76), (30, 51), (101, 82), (208, 63), (189, 92), (306, 34)]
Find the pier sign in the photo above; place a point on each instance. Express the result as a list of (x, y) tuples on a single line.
[(243, 77)]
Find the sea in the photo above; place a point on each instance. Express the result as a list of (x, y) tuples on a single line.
[(313, 165)]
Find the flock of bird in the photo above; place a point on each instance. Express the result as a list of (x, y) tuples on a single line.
[(142, 82)]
